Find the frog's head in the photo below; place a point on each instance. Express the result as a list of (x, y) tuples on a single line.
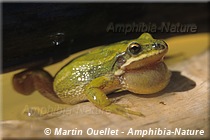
[(142, 52)]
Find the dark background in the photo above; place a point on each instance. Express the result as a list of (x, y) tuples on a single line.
[(31, 30)]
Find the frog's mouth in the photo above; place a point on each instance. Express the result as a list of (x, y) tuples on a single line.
[(144, 60)]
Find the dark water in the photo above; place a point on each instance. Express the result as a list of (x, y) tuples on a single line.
[(39, 34)]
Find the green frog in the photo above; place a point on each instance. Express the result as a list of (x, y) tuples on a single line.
[(135, 65)]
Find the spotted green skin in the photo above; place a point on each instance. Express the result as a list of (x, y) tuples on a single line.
[(93, 75), (69, 83)]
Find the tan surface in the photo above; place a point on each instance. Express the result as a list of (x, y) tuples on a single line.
[(183, 104)]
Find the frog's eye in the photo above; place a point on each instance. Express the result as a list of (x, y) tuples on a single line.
[(134, 48)]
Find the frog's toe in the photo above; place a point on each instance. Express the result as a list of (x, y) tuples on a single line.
[(125, 105), (135, 113), (121, 110)]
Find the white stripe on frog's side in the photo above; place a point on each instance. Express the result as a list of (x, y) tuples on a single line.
[(133, 59), (141, 57), (119, 72)]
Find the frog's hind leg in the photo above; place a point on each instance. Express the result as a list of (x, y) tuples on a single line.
[(30, 80)]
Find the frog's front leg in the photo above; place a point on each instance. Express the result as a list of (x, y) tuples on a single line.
[(29, 80), (96, 93)]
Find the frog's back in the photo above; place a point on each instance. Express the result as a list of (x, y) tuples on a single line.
[(70, 81)]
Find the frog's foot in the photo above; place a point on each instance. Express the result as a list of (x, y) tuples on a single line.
[(121, 110), (29, 80), (95, 94)]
